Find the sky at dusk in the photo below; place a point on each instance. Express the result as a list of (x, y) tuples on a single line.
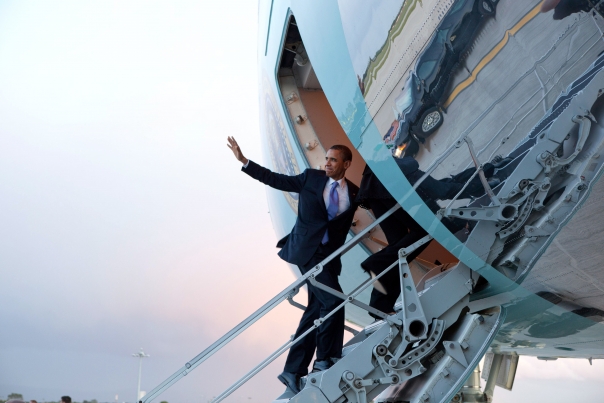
[(125, 221)]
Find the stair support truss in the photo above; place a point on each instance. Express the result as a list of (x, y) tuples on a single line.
[(387, 358)]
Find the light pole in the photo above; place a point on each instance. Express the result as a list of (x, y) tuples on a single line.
[(141, 354)]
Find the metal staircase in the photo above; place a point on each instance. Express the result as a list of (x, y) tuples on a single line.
[(432, 338), (431, 346), (427, 362)]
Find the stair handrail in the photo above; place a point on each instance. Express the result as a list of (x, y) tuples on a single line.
[(347, 299), (289, 291), (292, 289)]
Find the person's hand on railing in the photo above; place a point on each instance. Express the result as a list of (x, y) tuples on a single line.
[(236, 150)]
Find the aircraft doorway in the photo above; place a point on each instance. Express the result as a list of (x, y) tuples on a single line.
[(316, 128)]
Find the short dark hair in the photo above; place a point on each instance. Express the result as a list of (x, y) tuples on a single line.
[(66, 399), (346, 153)]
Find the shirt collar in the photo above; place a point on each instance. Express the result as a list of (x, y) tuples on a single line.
[(342, 182)]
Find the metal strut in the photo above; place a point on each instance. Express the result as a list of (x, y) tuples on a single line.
[(424, 364)]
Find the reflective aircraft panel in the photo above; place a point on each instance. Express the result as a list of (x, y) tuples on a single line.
[(458, 83), (500, 39)]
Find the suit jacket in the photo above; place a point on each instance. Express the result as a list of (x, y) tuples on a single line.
[(301, 244)]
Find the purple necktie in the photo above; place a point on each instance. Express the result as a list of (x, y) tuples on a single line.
[(332, 209)]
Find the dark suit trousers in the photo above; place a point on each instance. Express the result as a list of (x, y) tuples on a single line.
[(380, 261), (329, 337), (401, 231)]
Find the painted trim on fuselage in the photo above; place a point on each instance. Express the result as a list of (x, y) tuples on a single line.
[(318, 20), (268, 30), (282, 210), (320, 26), (290, 125)]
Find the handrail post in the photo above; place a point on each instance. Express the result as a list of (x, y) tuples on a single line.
[(478, 166)]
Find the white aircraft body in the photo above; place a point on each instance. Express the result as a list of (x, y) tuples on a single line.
[(457, 83)]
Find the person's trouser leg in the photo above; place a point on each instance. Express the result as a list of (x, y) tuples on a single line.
[(466, 174), (330, 335), (394, 226), (300, 354), (380, 261), (383, 302), (444, 189), (474, 187), (328, 339)]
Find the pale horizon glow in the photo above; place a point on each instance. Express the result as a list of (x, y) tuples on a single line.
[(125, 220)]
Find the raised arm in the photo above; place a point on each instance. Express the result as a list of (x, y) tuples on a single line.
[(277, 181), (236, 150)]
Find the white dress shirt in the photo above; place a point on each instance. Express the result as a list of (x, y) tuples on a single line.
[(342, 189)]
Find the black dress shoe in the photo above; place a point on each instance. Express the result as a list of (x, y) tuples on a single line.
[(291, 380), (319, 366)]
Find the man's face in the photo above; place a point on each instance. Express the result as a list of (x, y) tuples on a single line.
[(335, 166)]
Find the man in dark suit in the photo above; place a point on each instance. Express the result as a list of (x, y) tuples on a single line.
[(325, 211)]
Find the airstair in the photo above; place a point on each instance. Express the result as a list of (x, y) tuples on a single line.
[(419, 341), (430, 348)]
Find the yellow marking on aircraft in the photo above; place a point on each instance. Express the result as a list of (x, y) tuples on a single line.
[(485, 60)]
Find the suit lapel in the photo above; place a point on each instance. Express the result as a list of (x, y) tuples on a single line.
[(352, 194), (320, 193)]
